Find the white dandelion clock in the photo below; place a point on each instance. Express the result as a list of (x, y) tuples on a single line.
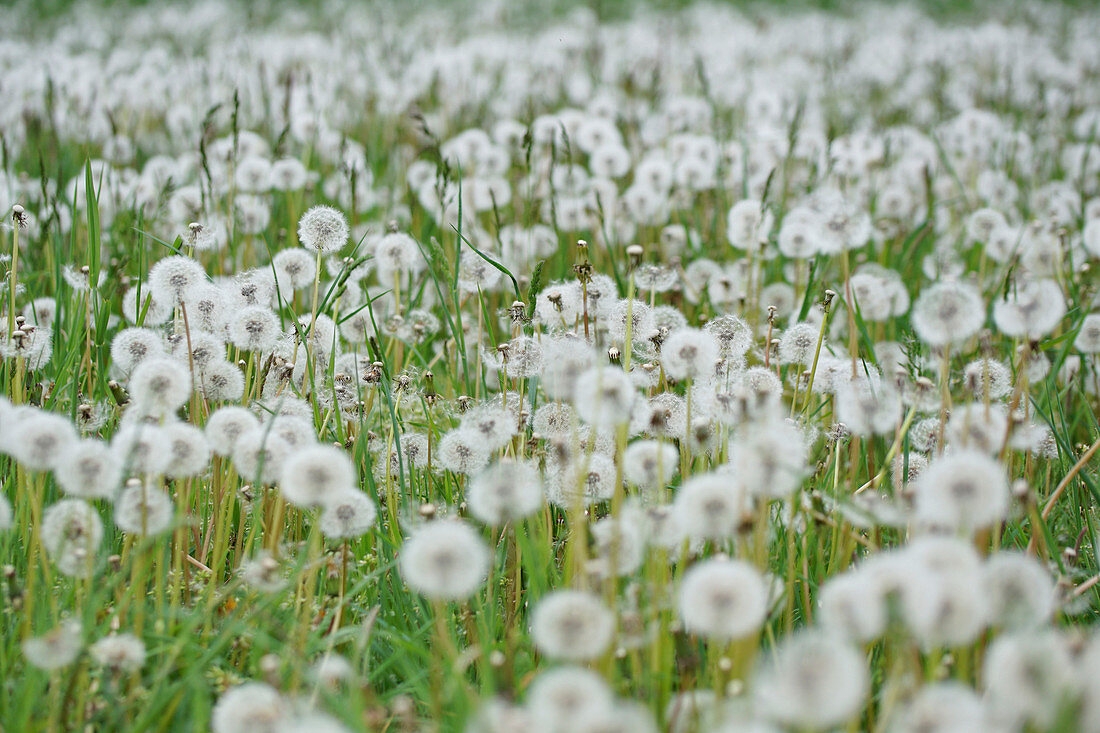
[(119, 653), (713, 507), (313, 475), (188, 449), (159, 386), (507, 491), (38, 440), (225, 425), (948, 313), (852, 606), (964, 490), (172, 278), (348, 514), (56, 649), (813, 681), (253, 707), (254, 328), (89, 469), (259, 454), (572, 624), (650, 464), (463, 451), (323, 229), (722, 599), (1021, 592), (71, 533), (562, 699), (143, 509), (133, 345), (604, 396), (446, 560), (943, 707), (1029, 679), (689, 353)]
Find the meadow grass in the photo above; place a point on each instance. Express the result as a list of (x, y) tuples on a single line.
[(805, 394)]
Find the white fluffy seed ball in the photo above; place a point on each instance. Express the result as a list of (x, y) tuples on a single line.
[(723, 599), (323, 229), (445, 560), (572, 624)]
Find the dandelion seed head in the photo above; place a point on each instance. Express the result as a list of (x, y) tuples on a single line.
[(722, 599), (71, 533), (323, 229), (314, 475), (119, 652), (56, 649), (445, 560), (507, 491), (143, 509), (572, 624)]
